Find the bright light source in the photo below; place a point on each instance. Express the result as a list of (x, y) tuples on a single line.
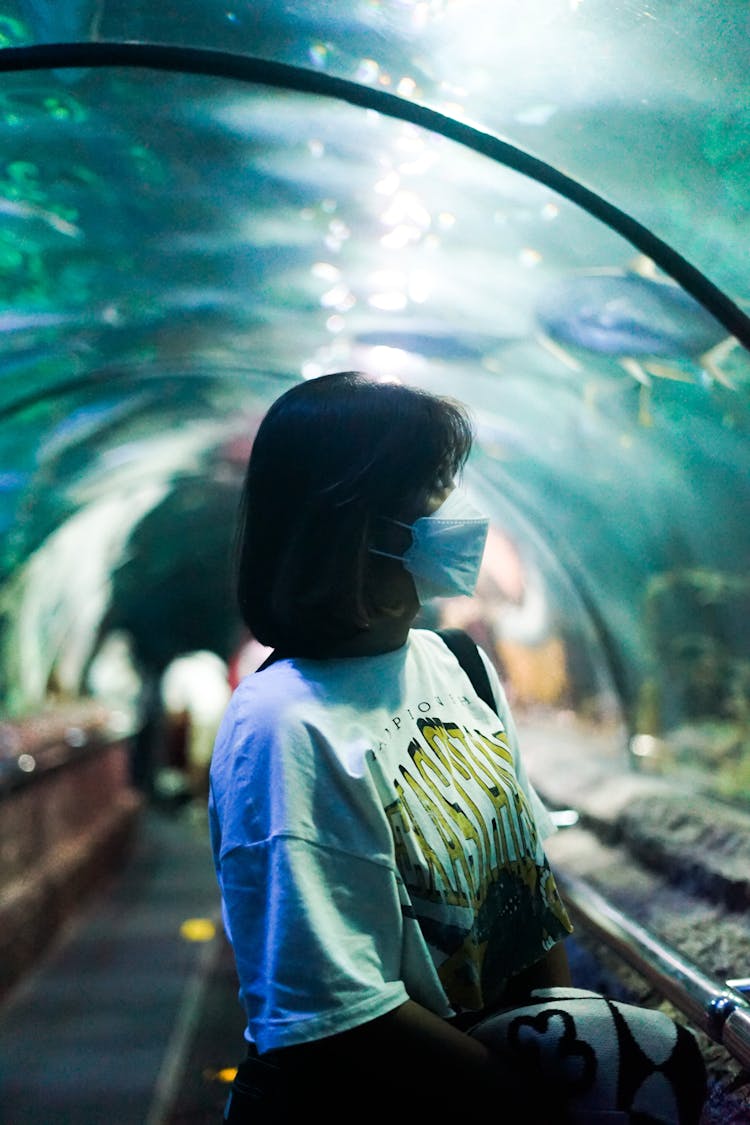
[(406, 207), (335, 297), (388, 360), (388, 302), (529, 257), (325, 271), (367, 72), (644, 745), (226, 1074), (198, 929), (400, 237), (389, 184), (564, 818)]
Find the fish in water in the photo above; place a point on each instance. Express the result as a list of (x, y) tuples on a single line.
[(650, 326), (22, 321), (432, 345), (626, 314), (85, 424), (23, 210)]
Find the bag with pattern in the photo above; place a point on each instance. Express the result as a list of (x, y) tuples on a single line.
[(611, 1062)]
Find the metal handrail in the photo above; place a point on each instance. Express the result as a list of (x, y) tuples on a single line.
[(718, 1009)]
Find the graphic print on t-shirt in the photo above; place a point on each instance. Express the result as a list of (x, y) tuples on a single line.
[(472, 865)]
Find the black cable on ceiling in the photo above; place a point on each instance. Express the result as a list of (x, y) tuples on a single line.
[(245, 68)]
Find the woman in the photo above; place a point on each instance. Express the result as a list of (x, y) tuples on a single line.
[(377, 841)]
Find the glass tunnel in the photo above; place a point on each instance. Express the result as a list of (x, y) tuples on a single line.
[(538, 207)]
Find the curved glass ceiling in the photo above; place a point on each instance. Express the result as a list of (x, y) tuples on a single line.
[(175, 248)]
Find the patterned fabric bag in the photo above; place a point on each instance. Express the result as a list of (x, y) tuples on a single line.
[(611, 1062)]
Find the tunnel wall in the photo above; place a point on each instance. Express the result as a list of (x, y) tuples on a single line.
[(67, 818)]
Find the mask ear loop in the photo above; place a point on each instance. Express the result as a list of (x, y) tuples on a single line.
[(385, 554)]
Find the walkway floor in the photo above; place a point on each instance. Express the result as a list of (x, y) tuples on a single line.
[(101, 1032)]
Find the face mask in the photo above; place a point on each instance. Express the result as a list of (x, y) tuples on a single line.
[(446, 549)]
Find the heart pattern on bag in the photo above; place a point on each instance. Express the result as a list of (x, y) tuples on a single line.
[(602, 1057), (549, 1040)]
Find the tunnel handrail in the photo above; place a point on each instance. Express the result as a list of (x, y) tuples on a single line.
[(719, 1010)]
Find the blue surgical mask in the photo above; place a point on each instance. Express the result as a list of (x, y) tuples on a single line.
[(446, 549)]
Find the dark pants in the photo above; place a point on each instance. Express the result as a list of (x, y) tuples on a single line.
[(257, 1095)]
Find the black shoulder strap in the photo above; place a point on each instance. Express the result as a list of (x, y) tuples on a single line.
[(466, 653), (270, 659)]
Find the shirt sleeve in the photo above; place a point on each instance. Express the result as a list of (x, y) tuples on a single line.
[(304, 860), (317, 938), (545, 825)]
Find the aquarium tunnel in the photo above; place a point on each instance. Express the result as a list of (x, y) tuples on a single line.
[(539, 208)]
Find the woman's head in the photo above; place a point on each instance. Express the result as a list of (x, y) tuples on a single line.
[(333, 461)]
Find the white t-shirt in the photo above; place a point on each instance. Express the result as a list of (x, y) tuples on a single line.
[(376, 839)]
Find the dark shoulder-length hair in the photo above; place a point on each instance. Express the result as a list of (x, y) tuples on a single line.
[(331, 458)]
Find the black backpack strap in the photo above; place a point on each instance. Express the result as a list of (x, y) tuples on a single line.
[(467, 654), (270, 659)]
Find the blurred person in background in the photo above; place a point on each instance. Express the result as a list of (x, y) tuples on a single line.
[(115, 678), (195, 691)]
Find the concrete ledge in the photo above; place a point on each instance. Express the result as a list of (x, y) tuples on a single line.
[(667, 825), (700, 846), (60, 837)]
